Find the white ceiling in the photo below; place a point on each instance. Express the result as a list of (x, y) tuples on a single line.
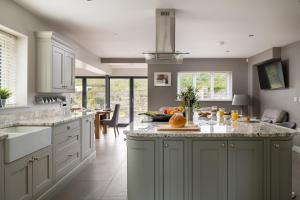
[(125, 28)]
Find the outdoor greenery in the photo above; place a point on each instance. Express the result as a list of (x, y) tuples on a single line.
[(204, 82), (119, 93), (5, 93)]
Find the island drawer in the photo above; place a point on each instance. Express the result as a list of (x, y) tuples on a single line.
[(67, 159), (62, 141), (66, 127)]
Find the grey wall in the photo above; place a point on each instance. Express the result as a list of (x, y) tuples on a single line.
[(283, 98), (166, 96)]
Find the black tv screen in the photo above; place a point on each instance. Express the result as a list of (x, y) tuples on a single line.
[(272, 76)]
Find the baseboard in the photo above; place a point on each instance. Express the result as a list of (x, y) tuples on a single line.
[(50, 193), (296, 149)]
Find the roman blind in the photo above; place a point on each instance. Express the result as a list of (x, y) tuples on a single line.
[(8, 71)]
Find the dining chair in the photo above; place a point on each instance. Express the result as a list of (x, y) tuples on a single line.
[(113, 122)]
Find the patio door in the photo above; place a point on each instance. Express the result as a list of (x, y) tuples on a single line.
[(132, 95)]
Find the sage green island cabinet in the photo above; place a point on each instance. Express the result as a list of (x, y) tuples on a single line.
[(209, 170), (281, 169), (141, 170), (173, 170), (220, 162)]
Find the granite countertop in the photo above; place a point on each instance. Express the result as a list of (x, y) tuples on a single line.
[(48, 121), (3, 136), (53, 120), (238, 129)]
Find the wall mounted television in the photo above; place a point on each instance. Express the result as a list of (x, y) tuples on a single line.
[(272, 75)]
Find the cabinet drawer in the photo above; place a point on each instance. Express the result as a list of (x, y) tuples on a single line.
[(63, 128), (64, 140), (66, 160)]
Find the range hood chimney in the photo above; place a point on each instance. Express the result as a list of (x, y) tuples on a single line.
[(165, 40)]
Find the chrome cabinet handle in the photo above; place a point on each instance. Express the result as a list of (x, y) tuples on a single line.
[(223, 145), (68, 127), (166, 145), (36, 158), (70, 155), (277, 146), (232, 145)]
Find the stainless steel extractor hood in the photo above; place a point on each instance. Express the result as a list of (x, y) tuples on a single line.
[(165, 40)]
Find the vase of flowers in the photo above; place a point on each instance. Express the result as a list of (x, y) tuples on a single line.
[(4, 94), (189, 100)]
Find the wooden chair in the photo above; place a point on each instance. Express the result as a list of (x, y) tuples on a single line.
[(113, 122)]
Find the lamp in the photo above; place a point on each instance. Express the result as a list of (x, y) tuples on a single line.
[(240, 100)]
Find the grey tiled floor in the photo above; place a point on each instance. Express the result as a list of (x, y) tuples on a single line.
[(105, 178)]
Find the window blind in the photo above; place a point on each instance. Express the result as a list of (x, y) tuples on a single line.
[(8, 64)]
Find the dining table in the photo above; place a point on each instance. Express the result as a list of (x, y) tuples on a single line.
[(105, 114)]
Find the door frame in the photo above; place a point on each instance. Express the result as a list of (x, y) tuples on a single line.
[(107, 91)]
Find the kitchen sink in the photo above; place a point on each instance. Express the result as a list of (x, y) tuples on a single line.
[(24, 140)]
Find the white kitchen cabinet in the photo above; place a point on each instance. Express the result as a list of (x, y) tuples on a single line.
[(55, 64), (87, 136), (29, 176), (1, 170)]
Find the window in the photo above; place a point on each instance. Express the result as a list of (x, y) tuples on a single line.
[(211, 85), (8, 64), (77, 96), (95, 91)]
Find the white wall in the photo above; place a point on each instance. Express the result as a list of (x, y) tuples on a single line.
[(17, 18)]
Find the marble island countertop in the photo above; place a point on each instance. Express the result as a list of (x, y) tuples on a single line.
[(237, 129)]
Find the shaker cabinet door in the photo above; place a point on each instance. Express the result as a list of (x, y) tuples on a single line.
[(18, 180), (140, 170), (69, 73), (87, 136), (209, 163), (245, 170), (173, 170), (57, 68), (281, 170), (42, 170)]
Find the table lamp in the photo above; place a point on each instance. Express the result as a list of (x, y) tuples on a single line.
[(240, 100)]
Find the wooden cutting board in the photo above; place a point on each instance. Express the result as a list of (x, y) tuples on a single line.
[(191, 127)]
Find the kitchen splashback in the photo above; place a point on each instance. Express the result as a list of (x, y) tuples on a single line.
[(13, 118)]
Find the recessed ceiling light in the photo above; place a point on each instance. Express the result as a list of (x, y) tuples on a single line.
[(221, 43), (250, 35)]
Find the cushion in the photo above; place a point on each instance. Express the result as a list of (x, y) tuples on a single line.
[(274, 116)]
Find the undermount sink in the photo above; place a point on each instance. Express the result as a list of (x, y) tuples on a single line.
[(24, 140)]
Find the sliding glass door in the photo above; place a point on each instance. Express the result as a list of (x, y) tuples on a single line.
[(99, 92), (95, 92), (120, 94), (140, 97)]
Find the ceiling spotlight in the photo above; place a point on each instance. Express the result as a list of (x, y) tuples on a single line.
[(251, 36), (221, 43)]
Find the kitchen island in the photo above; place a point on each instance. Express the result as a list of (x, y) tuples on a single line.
[(240, 161)]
